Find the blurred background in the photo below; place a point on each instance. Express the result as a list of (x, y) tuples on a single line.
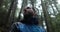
[(48, 13)]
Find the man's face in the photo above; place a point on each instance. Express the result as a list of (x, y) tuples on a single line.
[(28, 11)]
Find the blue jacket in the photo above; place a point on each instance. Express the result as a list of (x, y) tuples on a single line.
[(29, 27)]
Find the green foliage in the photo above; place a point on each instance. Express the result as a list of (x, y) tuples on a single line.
[(56, 23)]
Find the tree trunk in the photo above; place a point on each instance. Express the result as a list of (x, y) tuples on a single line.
[(24, 4), (11, 10), (55, 5), (12, 18), (12, 15), (50, 2), (46, 16), (1, 3)]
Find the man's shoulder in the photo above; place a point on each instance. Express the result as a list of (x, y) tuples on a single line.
[(16, 23), (20, 25)]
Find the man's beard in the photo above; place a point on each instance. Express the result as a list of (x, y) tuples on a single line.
[(27, 16), (29, 19)]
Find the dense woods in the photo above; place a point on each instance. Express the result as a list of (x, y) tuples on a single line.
[(48, 13)]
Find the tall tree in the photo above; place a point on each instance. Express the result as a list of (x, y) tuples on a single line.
[(24, 4), (55, 3), (12, 14), (1, 3), (46, 16), (50, 3), (10, 10)]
